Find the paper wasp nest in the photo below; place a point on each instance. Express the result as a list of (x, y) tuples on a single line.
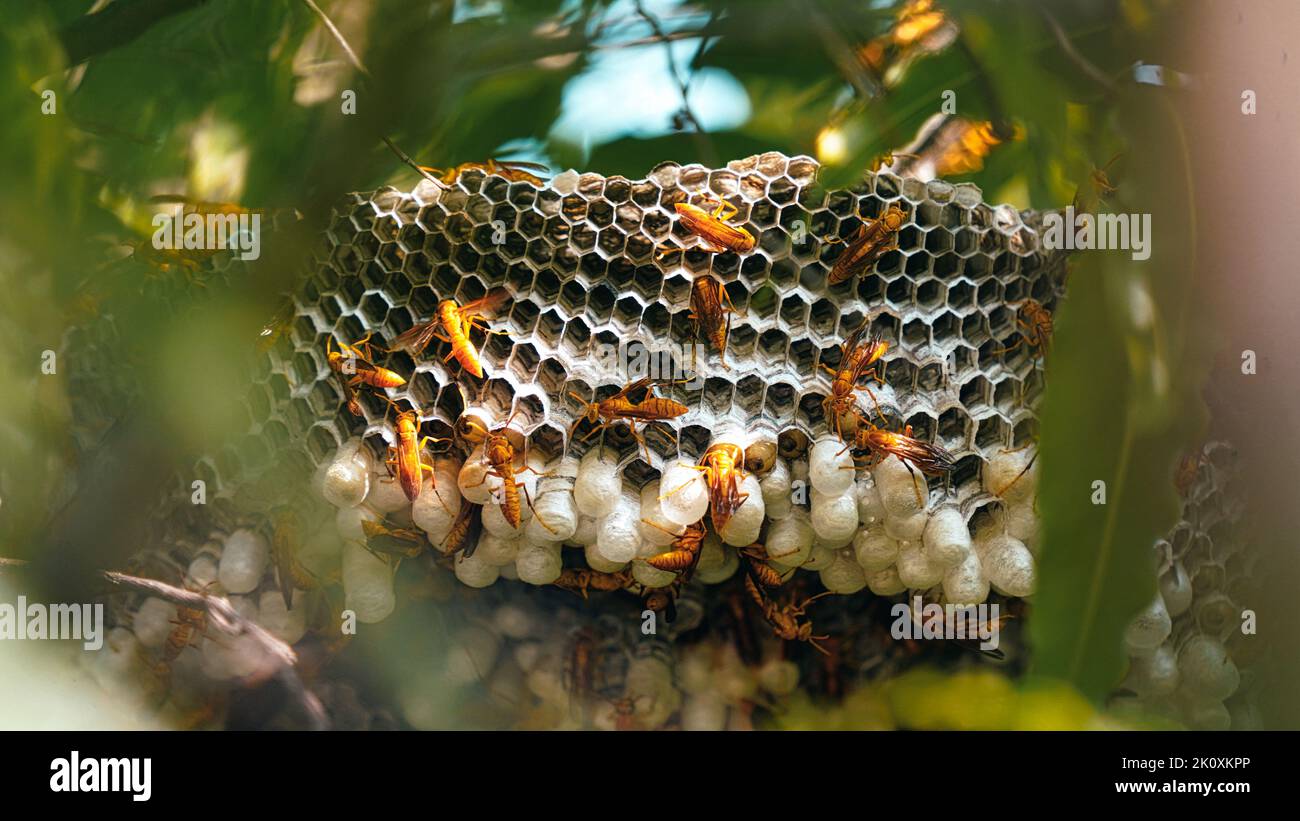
[(600, 269), (581, 257), (1190, 658)]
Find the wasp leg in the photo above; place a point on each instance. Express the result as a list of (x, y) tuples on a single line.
[(663, 496)]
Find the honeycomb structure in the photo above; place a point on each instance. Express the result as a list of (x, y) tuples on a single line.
[(600, 270), (596, 266), (1190, 659)]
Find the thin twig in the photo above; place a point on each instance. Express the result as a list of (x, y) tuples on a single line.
[(224, 617), (1085, 65), (365, 77), (683, 85), (338, 35)]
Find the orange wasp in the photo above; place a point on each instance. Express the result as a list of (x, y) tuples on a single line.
[(876, 444), (707, 309), (500, 454), (512, 170), (856, 356), (713, 228), (579, 672), (719, 465), (384, 541), (452, 323), (464, 531), (352, 362), (619, 407), (1035, 325), (869, 243), (785, 619), (284, 554), (685, 550), (763, 573), (580, 580), (405, 456), (1189, 468), (190, 626)]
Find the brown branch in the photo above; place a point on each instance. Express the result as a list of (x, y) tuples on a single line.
[(224, 617)]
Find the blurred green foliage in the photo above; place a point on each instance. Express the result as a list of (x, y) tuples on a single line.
[(240, 102)]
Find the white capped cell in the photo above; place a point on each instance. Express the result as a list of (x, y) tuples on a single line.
[(720, 572), (152, 623), (1176, 590), (789, 540), (1022, 523), (835, 517), (902, 490), (657, 530), (964, 583), (585, 535), (776, 491), (820, 558), (917, 570), (1205, 669), (538, 563), (874, 549), (1009, 567), (1154, 676), (598, 486), (618, 536), (473, 571), (686, 496), (435, 512), (885, 582), (556, 516), (744, 526), (844, 575), (243, 561), (652, 576), (830, 466), (346, 481), (497, 551), (870, 509), (1148, 630), (599, 563), (286, 625), (367, 584), (494, 519), (946, 538), (1001, 471), (907, 528), (386, 494), (476, 481), (203, 570), (348, 521)]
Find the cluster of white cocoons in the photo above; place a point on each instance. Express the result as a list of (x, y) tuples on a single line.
[(860, 530), (1186, 676), (235, 565)]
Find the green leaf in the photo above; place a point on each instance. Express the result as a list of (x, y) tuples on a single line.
[(1122, 403)]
